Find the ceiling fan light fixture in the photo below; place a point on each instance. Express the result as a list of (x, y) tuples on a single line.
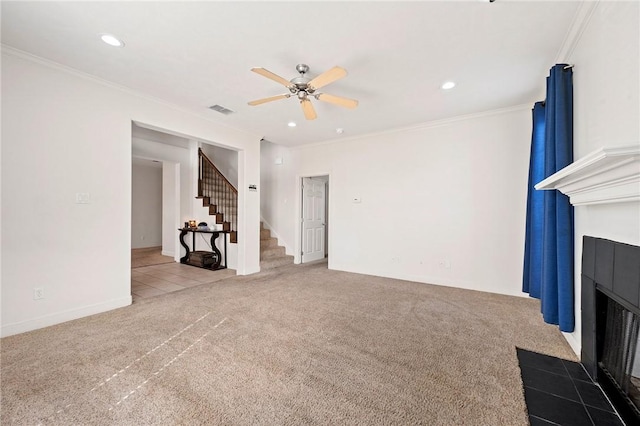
[(111, 40), (304, 89), (447, 85)]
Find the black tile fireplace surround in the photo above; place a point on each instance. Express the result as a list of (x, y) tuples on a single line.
[(610, 272)]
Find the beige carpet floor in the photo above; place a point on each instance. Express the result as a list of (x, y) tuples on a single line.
[(148, 256), (293, 345)]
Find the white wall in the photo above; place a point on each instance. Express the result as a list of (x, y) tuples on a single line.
[(65, 133), (606, 110), (442, 203), (170, 207), (146, 204)]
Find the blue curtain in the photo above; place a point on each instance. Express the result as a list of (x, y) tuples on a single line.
[(548, 263), (535, 207)]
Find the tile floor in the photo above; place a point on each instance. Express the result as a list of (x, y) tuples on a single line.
[(560, 392), (149, 281)]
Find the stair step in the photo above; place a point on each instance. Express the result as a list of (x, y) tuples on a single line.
[(270, 242), (276, 262), (221, 207), (272, 252), (265, 234)]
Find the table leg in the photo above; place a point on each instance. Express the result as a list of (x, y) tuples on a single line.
[(218, 255), (184, 258), (225, 250)]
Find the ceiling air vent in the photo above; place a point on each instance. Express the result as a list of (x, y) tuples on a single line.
[(221, 109)]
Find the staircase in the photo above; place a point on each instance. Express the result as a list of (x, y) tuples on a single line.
[(271, 254), (219, 195), (221, 198)]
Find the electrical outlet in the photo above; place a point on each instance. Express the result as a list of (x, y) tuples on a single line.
[(38, 293)]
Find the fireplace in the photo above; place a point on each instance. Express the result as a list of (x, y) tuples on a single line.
[(611, 321)]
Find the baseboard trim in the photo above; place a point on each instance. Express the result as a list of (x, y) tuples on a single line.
[(63, 316), (427, 279), (574, 341), (167, 253)]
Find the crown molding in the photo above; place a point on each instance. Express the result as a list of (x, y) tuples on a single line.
[(607, 175), (8, 50), (421, 126), (77, 73), (576, 29)]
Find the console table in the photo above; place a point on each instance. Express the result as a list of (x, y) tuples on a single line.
[(217, 256)]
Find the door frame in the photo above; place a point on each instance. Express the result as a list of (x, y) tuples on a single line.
[(297, 255)]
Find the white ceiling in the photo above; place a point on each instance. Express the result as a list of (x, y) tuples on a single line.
[(197, 54)]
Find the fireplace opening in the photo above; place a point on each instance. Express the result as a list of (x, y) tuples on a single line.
[(611, 321), (618, 361)]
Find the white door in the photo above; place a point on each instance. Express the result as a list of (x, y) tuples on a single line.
[(313, 208)]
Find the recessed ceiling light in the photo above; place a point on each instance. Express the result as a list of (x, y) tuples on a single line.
[(111, 40), (292, 124), (339, 131), (448, 85)]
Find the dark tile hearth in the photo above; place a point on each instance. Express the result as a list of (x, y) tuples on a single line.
[(559, 392)]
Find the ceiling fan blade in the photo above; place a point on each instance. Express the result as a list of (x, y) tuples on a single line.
[(266, 73), (327, 77), (344, 102), (272, 98), (307, 108)]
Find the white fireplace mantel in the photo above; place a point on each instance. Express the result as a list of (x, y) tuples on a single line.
[(608, 175)]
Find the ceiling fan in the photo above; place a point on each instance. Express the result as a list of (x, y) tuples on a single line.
[(305, 88)]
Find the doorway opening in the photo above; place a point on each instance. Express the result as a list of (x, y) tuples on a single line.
[(314, 229), (177, 154), (148, 213), (146, 203)]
